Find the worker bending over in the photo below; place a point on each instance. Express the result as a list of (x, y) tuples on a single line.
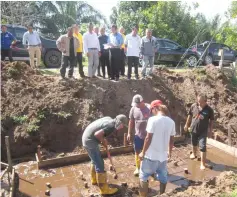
[(157, 147), (95, 134)]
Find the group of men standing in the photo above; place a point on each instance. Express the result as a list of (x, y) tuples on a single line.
[(153, 140), (107, 51)]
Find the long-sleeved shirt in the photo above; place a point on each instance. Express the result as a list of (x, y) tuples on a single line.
[(116, 39), (132, 43), (6, 40), (123, 45), (90, 41), (31, 38), (63, 44), (148, 46), (79, 37), (103, 39)]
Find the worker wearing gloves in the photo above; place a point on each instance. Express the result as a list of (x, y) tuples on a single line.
[(138, 117), (95, 134)]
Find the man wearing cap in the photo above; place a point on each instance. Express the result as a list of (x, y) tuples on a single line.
[(95, 134), (157, 147), (7, 39), (138, 117)]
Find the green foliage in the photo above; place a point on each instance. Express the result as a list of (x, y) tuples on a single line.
[(32, 128), (12, 72), (19, 119), (63, 114), (232, 194)]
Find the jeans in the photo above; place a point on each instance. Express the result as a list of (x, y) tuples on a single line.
[(147, 60), (150, 167), (138, 144), (6, 53), (80, 66), (133, 61), (72, 63), (201, 139), (96, 159)]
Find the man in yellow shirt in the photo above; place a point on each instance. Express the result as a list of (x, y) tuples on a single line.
[(77, 34), (122, 68)]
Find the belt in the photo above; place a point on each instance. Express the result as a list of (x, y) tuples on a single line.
[(92, 48), (33, 45)]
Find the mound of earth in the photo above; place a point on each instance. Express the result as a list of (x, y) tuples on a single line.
[(223, 185), (43, 110)]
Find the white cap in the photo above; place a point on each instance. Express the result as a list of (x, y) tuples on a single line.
[(136, 100)]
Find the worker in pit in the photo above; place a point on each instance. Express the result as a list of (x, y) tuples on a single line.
[(95, 134), (138, 116), (200, 120)]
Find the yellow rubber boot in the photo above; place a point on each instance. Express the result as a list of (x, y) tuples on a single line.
[(93, 175), (103, 185), (137, 161)]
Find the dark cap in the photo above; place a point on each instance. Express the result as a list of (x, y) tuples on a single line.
[(122, 119)]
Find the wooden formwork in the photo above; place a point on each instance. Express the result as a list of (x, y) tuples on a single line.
[(79, 158)]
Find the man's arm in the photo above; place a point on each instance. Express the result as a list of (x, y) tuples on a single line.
[(85, 49), (171, 144), (100, 136), (147, 143), (188, 123), (130, 127), (125, 44), (142, 47), (13, 39), (58, 43), (24, 39)]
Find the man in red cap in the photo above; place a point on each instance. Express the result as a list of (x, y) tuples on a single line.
[(157, 147)]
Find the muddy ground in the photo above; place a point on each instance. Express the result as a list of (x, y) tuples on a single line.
[(38, 109)]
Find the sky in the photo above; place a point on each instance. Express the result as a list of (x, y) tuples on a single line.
[(208, 7)]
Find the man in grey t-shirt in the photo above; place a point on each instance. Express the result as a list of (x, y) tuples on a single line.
[(95, 134), (138, 117), (148, 49)]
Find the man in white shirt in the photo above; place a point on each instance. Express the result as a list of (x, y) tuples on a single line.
[(91, 48), (32, 42), (157, 147), (132, 48)]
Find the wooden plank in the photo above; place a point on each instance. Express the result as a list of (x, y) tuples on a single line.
[(9, 159), (12, 189), (75, 159), (224, 147)]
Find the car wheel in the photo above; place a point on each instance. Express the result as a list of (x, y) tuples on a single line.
[(208, 59), (52, 59), (191, 61)]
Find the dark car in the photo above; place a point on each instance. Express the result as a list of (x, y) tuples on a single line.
[(209, 52), (170, 52), (51, 56)]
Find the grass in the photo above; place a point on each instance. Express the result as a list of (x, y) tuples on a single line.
[(63, 114), (232, 194), (11, 72), (19, 119)]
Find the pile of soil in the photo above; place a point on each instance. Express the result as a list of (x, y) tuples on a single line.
[(223, 185), (38, 109)]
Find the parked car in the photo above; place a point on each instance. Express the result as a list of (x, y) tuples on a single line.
[(51, 56), (210, 52), (170, 52)]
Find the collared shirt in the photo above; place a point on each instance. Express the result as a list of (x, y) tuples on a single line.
[(90, 40), (116, 39), (6, 40), (123, 45), (103, 39), (31, 38), (133, 45), (79, 37), (148, 46), (63, 44)]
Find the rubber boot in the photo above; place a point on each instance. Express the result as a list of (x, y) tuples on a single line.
[(203, 161), (162, 188), (143, 189), (93, 175), (137, 161), (103, 185)]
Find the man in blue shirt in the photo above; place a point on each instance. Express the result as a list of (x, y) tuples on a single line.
[(115, 41), (7, 39), (32, 42)]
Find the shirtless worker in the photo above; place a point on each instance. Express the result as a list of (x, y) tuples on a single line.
[(95, 134), (138, 117)]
